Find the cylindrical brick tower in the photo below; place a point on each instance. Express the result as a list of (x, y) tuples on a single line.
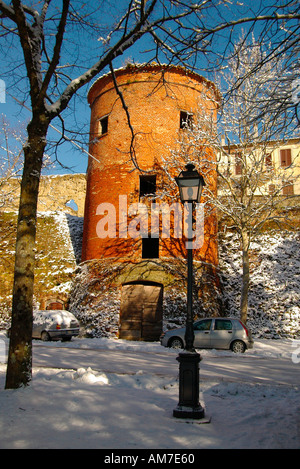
[(137, 117)]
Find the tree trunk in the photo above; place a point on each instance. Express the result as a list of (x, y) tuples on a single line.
[(19, 366), (245, 277)]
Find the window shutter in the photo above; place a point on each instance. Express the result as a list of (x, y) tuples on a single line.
[(285, 157), (238, 164)]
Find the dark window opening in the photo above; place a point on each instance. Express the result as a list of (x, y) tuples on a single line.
[(150, 248), (103, 125), (147, 185), (186, 119), (268, 161)]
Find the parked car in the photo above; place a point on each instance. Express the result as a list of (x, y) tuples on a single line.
[(212, 333), (54, 324)]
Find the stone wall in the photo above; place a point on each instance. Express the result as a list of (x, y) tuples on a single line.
[(58, 245), (64, 193)]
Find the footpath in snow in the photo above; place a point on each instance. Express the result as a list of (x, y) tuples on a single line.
[(84, 408)]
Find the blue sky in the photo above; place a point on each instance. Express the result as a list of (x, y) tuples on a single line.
[(77, 115)]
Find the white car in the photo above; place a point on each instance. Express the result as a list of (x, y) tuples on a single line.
[(54, 324)]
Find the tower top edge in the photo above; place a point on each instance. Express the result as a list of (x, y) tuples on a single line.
[(153, 67)]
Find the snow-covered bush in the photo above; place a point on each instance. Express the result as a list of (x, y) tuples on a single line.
[(94, 301), (274, 296)]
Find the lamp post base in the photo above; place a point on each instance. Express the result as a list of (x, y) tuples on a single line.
[(182, 412), (189, 406)]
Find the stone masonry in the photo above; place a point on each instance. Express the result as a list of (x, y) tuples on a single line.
[(65, 193)]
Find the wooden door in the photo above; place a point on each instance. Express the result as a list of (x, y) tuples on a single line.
[(141, 311)]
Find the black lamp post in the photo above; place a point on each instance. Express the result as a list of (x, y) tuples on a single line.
[(190, 184)]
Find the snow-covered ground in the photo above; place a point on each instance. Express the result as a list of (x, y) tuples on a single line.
[(85, 408)]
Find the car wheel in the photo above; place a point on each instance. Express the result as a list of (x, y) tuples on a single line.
[(238, 346), (176, 342), (45, 336)]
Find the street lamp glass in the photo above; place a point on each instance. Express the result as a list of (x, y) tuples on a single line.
[(190, 184)]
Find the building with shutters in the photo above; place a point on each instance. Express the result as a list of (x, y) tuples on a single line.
[(278, 164)]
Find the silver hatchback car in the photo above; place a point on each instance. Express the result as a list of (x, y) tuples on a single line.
[(54, 325), (213, 333)]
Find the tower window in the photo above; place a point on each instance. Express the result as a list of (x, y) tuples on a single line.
[(103, 125), (147, 185), (186, 119), (150, 248)]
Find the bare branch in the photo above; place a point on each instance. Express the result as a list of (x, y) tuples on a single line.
[(57, 49)]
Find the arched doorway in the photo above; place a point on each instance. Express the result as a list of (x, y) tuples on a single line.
[(141, 311), (54, 302)]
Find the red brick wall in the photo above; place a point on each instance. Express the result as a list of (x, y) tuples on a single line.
[(154, 97)]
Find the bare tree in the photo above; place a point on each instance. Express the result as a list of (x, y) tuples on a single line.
[(12, 141), (59, 47), (11, 160), (253, 187)]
